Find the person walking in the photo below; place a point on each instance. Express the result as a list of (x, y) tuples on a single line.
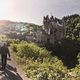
[(4, 52)]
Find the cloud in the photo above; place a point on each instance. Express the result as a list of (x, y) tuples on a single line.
[(34, 10)]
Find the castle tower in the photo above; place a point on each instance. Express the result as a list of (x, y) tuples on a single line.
[(54, 28)]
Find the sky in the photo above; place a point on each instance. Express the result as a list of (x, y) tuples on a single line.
[(32, 11)]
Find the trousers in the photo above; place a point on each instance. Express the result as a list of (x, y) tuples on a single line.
[(4, 61)]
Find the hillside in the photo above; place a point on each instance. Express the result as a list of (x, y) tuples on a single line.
[(7, 26), (5, 22), (60, 61)]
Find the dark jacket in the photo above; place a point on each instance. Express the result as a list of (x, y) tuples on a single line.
[(4, 51)]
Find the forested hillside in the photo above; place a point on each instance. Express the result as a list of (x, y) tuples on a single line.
[(60, 61), (6, 25), (18, 30)]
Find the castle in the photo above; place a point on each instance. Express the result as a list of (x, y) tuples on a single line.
[(53, 30)]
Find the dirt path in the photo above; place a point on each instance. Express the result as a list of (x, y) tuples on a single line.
[(12, 71)]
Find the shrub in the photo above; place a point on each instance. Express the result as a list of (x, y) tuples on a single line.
[(39, 64)]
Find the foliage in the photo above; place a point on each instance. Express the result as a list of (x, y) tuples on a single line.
[(67, 50), (72, 24), (39, 64)]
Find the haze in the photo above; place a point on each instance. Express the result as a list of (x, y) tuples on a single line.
[(33, 10)]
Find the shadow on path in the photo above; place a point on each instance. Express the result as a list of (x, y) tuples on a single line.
[(10, 73)]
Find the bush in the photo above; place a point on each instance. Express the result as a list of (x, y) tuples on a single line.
[(39, 64), (30, 50)]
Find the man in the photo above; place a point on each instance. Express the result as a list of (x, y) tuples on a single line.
[(4, 51)]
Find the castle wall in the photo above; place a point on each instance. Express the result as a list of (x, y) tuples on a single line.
[(57, 29)]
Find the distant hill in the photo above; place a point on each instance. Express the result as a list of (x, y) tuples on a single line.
[(5, 22), (7, 26)]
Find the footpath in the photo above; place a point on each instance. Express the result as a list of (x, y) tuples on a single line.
[(12, 71)]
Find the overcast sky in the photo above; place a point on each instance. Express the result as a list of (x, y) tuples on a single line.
[(33, 10)]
